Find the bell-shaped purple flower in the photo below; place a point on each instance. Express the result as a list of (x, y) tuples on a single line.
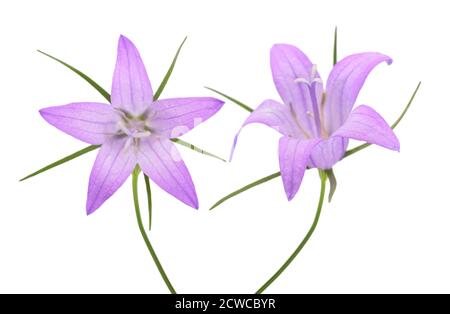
[(134, 130), (317, 122)]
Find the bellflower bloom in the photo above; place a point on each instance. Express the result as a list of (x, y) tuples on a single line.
[(317, 122), (133, 130)]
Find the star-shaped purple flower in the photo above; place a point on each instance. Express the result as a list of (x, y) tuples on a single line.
[(317, 123), (134, 130)]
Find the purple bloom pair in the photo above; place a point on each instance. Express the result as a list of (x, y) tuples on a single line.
[(317, 122), (134, 130), (137, 129)]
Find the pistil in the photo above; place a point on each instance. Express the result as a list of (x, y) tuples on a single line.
[(311, 84)]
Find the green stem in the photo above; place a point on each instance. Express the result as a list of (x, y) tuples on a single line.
[(323, 179), (144, 234)]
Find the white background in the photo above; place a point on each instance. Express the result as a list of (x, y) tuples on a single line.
[(387, 229)]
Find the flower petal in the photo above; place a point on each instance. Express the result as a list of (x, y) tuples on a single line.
[(293, 158), (289, 64), (131, 88), (328, 152), (365, 124), (278, 116), (344, 83), (175, 117), (114, 164), (92, 123), (160, 160)]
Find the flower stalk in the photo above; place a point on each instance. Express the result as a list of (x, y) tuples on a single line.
[(323, 181), (163, 274)]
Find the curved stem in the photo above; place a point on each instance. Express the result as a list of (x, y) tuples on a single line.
[(323, 179), (144, 234)]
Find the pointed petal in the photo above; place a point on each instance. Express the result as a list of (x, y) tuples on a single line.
[(92, 123), (293, 157), (328, 152), (175, 117), (365, 124), (288, 64), (278, 116), (160, 160), (114, 164), (344, 83), (131, 88)]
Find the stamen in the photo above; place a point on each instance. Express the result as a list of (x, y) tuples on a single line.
[(314, 70), (305, 133), (123, 127), (137, 130), (141, 134), (311, 83), (128, 144), (322, 118), (324, 99)]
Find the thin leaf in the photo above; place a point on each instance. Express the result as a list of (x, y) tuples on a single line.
[(335, 55), (100, 89), (169, 73), (237, 102), (149, 201), (195, 148), (393, 126), (62, 161), (333, 183), (245, 188)]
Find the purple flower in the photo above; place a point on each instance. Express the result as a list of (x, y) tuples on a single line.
[(317, 122), (134, 130)]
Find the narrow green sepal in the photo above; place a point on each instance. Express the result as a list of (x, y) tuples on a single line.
[(149, 201), (333, 183), (61, 161), (335, 46), (169, 72), (234, 100), (94, 84)]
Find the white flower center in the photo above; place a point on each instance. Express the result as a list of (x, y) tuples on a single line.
[(134, 127)]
